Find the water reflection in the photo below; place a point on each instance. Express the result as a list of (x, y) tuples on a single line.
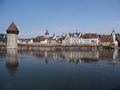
[(87, 56), (73, 70), (12, 60), (84, 56), (46, 57)]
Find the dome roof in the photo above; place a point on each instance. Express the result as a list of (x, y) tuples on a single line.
[(12, 29)]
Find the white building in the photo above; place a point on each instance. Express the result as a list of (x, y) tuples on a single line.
[(114, 38), (90, 38), (73, 38)]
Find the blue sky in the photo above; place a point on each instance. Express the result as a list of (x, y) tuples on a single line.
[(33, 17)]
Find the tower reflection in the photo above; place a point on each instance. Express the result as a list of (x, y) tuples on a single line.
[(46, 57), (12, 61)]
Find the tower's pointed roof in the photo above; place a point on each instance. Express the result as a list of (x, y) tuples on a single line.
[(12, 29), (113, 31), (12, 67)]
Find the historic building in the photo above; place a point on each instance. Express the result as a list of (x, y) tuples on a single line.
[(109, 40), (90, 38), (106, 39), (12, 36), (114, 38), (73, 38)]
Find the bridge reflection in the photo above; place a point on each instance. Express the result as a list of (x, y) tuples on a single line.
[(83, 56), (87, 56)]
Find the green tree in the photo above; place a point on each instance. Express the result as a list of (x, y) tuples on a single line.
[(3, 37)]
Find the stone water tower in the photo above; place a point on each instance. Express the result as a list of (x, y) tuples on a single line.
[(12, 36)]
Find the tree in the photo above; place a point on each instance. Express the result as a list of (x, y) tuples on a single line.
[(3, 37)]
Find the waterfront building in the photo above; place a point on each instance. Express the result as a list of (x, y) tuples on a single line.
[(106, 40), (73, 38), (90, 38), (67, 39), (87, 39), (39, 39), (51, 40), (61, 39), (47, 34), (12, 36), (25, 41), (55, 37), (31, 41), (114, 38), (46, 37), (76, 38)]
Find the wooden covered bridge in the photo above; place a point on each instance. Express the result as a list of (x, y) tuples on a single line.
[(38, 46)]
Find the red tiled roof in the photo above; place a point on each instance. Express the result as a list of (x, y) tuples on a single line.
[(90, 35), (39, 38), (12, 29), (106, 38)]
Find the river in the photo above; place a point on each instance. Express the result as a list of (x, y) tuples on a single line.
[(60, 70)]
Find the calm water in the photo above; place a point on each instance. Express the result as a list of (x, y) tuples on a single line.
[(60, 70)]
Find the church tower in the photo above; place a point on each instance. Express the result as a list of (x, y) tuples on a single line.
[(12, 36), (113, 34), (114, 38), (46, 34)]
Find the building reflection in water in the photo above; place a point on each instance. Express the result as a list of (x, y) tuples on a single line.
[(46, 57), (115, 56), (12, 60), (84, 55), (87, 56), (110, 55)]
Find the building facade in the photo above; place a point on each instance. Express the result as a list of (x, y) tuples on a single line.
[(12, 36), (90, 38)]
